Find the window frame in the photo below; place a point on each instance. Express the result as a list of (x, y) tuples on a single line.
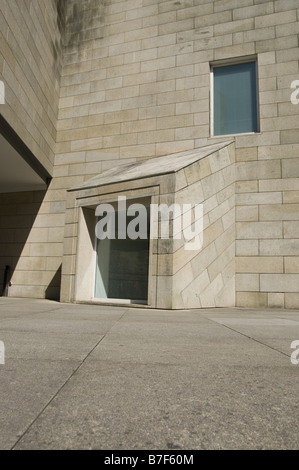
[(224, 63)]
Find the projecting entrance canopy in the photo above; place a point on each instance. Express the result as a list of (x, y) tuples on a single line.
[(166, 271), (148, 168)]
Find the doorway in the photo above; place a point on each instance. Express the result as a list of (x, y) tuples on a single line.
[(122, 265)]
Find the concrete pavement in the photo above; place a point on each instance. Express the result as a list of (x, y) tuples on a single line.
[(98, 377)]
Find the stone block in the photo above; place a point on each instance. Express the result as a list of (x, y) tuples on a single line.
[(291, 264), (247, 248), (259, 230), (157, 136), (157, 87), (259, 264), (212, 232), (252, 299), (141, 34), (283, 5), (274, 19), (286, 247), (237, 50), (246, 187), (213, 42), (227, 296), (175, 73), (56, 234), (265, 138), (190, 294), (159, 41), (290, 167), (278, 151), (225, 240), (247, 213), (279, 212), (246, 154), (208, 296), (164, 292), (67, 288), (283, 30), (219, 264), (32, 264), (182, 278), (29, 292), (247, 171), (165, 148), (42, 249), (173, 122), (291, 300), (276, 300), (290, 136), (235, 26), (53, 263), (247, 283), (290, 197), (190, 13), (287, 56), (49, 220), (279, 283), (68, 267), (268, 110), (221, 5), (157, 64), (259, 34), (287, 184), (259, 198), (169, 6), (219, 211)]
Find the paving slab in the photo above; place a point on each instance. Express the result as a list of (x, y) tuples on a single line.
[(26, 388), (48, 346), (276, 332), (116, 378), (158, 406)]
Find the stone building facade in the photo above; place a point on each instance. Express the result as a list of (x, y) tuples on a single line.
[(93, 85)]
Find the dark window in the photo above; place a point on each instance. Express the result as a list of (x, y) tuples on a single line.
[(235, 99)]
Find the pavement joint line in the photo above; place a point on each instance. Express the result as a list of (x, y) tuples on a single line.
[(8, 329), (65, 383), (31, 313), (253, 339), (27, 314), (293, 319)]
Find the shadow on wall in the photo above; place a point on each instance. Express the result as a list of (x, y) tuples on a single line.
[(53, 290), (22, 248), (76, 20)]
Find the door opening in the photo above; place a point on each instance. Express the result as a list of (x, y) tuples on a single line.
[(122, 266)]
